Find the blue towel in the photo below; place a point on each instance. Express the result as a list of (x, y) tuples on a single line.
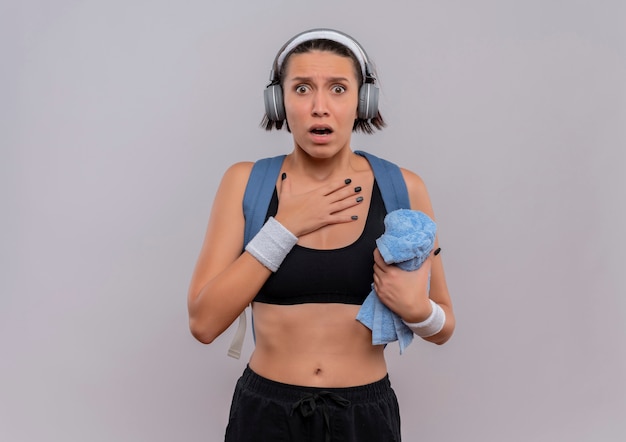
[(408, 240)]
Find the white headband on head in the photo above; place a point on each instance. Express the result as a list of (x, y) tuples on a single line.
[(324, 34)]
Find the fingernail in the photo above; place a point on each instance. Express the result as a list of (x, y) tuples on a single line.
[(359, 199), (357, 189), (436, 252), (283, 176), (354, 217), (348, 181)]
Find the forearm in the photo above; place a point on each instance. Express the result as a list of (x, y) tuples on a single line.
[(228, 293), (440, 294), (218, 303), (448, 329)]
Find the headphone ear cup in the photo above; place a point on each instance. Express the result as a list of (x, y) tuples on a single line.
[(368, 101), (274, 106)]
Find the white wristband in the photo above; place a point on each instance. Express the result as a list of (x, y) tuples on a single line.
[(431, 325), (271, 244)]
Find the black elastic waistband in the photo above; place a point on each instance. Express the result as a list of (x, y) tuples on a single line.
[(363, 393)]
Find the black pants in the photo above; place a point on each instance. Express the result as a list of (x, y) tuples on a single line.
[(264, 410)]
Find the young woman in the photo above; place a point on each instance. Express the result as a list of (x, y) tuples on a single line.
[(314, 373)]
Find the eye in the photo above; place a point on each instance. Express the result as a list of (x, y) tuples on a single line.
[(302, 89), (339, 89)]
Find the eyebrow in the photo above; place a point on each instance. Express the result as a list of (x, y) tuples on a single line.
[(309, 79)]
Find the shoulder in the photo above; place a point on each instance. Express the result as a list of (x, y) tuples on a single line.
[(418, 193), (414, 182), (242, 170), (233, 183), (236, 176), (239, 171)]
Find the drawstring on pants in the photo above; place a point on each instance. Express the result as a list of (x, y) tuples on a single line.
[(309, 403)]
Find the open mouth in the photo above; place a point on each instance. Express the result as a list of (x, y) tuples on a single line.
[(321, 131)]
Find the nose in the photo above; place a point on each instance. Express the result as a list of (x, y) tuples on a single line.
[(320, 105)]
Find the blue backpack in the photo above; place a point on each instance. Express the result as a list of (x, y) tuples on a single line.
[(258, 195)]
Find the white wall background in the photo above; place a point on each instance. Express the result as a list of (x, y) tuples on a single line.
[(118, 118)]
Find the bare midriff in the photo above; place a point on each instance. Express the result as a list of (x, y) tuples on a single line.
[(317, 345)]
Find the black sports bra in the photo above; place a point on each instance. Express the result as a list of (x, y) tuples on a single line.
[(341, 275)]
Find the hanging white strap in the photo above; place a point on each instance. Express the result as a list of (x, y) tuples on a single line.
[(237, 343)]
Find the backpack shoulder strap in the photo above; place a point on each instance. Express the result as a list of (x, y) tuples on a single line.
[(258, 194), (264, 174), (256, 200), (390, 181)]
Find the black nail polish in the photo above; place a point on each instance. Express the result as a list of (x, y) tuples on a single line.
[(359, 199), (436, 252), (357, 189), (348, 181), (283, 176), (354, 217)]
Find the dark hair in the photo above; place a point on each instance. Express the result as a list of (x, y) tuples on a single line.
[(360, 124)]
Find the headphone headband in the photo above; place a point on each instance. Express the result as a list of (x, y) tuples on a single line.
[(323, 34)]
